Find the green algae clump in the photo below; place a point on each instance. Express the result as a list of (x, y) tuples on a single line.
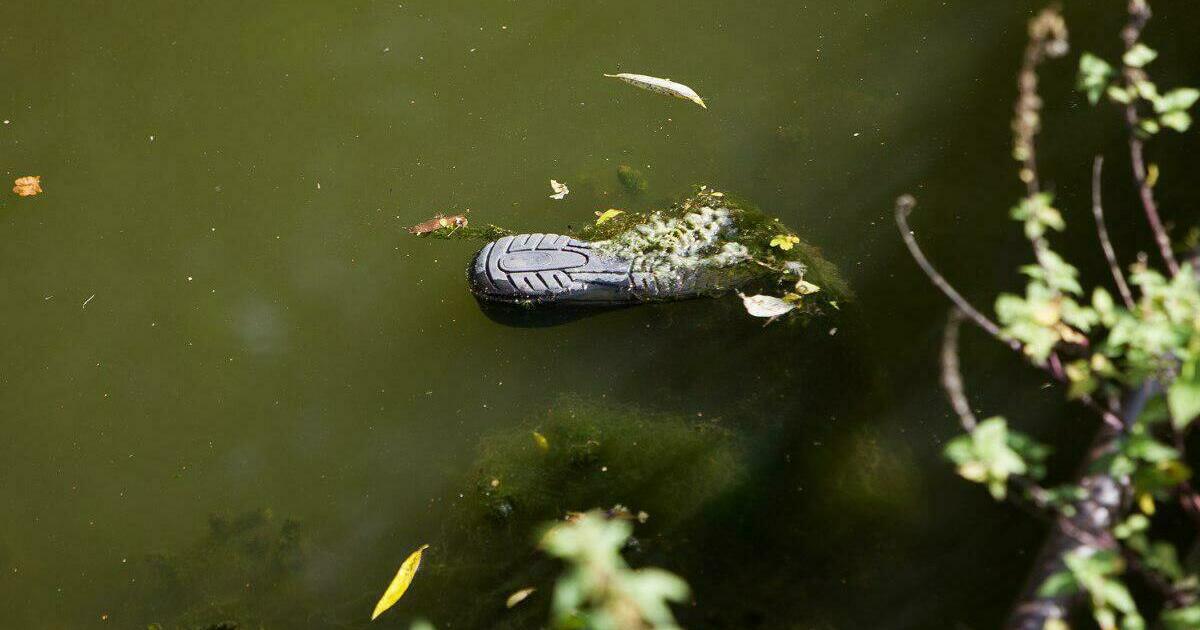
[(726, 240), (632, 179)]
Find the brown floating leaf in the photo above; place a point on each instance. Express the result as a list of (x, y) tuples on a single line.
[(438, 222), (400, 583), (28, 186)]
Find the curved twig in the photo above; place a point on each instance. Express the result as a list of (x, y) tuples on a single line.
[(951, 374), (904, 207), (1102, 231)]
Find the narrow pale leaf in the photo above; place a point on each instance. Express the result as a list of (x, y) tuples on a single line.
[(603, 217), (662, 86), (519, 596), (400, 583)]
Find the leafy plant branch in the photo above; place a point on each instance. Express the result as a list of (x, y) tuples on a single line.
[(1141, 356)]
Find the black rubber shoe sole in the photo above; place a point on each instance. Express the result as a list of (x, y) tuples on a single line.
[(551, 268)]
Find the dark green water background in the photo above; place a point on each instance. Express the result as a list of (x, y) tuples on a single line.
[(226, 187)]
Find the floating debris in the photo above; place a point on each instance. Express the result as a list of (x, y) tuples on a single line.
[(28, 186), (766, 306), (803, 287), (438, 222), (601, 217), (400, 583), (560, 189), (662, 86), (519, 596)]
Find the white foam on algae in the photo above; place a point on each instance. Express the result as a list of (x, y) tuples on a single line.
[(669, 247)]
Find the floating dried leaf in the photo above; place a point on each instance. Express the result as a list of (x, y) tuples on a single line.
[(438, 222), (662, 86), (803, 287), (519, 596), (560, 189), (28, 186), (400, 583), (765, 305)]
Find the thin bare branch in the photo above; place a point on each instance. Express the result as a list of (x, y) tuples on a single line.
[(1139, 15), (1102, 232), (904, 207), (951, 374)]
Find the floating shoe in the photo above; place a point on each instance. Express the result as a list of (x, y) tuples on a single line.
[(551, 268)]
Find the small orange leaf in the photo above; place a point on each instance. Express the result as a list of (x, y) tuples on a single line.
[(28, 186)]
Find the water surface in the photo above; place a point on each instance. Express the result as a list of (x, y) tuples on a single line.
[(221, 357)]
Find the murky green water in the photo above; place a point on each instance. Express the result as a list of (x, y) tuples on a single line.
[(213, 309)]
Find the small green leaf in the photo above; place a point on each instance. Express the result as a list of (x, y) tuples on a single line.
[(1139, 56), (1183, 396), (1094, 75), (1178, 120), (1180, 99), (1146, 89), (1058, 584), (1119, 95), (1181, 618)]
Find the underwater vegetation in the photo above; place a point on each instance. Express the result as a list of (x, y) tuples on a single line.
[(243, 573), (574, 456), (632, 179)]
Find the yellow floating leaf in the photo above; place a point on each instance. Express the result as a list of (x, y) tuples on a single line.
[(28, 186), (601, 217), (519, 596), (400, 583), (540, 440), (784, 241), (1151, 176)]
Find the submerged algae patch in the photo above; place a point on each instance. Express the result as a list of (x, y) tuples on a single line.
[(596, 455), (674, 467)]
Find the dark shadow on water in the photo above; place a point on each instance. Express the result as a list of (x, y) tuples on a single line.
[(541, 316)]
